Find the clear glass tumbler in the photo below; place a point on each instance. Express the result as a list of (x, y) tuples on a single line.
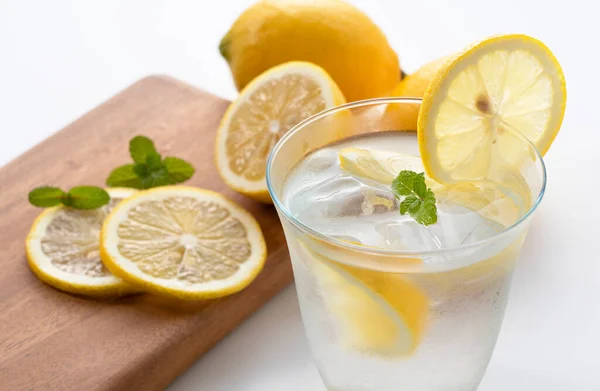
[(383, 319)]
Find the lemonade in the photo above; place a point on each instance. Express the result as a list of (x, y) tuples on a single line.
[(403, 245), (461, 310), (389, 303)]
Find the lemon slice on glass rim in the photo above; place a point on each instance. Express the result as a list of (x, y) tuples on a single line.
[(476, 109), (183, 242), (63, 249)]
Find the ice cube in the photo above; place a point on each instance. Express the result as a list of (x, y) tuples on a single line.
[(484, 230), (406, 234), (321, 160), (342, 196), (460, 225)]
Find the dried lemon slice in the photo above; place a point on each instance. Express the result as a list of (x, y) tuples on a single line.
[(62, 249), (183, 242)]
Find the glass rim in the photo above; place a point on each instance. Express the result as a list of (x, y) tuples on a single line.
[(375, 250)]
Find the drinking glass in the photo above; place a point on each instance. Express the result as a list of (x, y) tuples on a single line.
[(383, 319)]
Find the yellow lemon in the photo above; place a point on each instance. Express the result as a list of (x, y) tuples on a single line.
[(330, 33), (63, 249), (404, 116), (373, 311), (183, 242), (265, 110), (478, 106), (377, 165)]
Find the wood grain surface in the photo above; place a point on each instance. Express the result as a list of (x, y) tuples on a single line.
[(51, 340)]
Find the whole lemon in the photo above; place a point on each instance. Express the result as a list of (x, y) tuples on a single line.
[(330, 33), (404, 116)]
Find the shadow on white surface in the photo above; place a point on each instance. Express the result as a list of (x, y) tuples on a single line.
[(514, 379), (272, 338)]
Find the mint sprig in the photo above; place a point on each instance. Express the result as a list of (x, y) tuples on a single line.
[(81, 197), (149, 169), (419, 200)]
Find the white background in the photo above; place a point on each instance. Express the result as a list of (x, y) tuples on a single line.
[(59, 59)]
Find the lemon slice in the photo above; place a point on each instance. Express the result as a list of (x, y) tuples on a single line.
[(476, 107), (266, 109), (373, 312), (491, 200), (378, 165), (183, 242), (63, 249)]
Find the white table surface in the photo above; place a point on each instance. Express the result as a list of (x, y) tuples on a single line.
[(59, 59)]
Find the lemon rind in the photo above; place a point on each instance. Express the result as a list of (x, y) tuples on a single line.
[(432, 98), (128, 271), (258, 189), (108, 286)]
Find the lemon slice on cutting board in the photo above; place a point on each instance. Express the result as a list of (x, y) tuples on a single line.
[(266, 109), (373, 312), (476, 107), (63, 249), (183, 242)]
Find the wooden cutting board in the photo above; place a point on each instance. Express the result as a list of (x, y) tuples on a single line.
[(50, 340)]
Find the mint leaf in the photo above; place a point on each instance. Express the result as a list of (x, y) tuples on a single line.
[(419, 200), (426, 214), (149, 168), (82, 197), (141, 169), (46, 196), (179, 170), (140, 147), (86, 197), (404, 182), (155, 178), (409, 204), (154, 162), (419, 186), (124, 176)]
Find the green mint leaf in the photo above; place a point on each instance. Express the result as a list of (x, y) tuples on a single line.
[(86, 197), (67, 200), (141, 169), (46, 196), (419, 201), (426, 214), (419, 186), (429, 196), (409, 205), (179, 170), (149, 169), (124, 176), (156, 178), (140, 147), (404, 182), (154, 162)]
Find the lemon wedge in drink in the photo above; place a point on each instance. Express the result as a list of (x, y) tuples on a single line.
[(183, 242), (488, 198), (378, 165), (373, 312), (63, 249), (479, 104)]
